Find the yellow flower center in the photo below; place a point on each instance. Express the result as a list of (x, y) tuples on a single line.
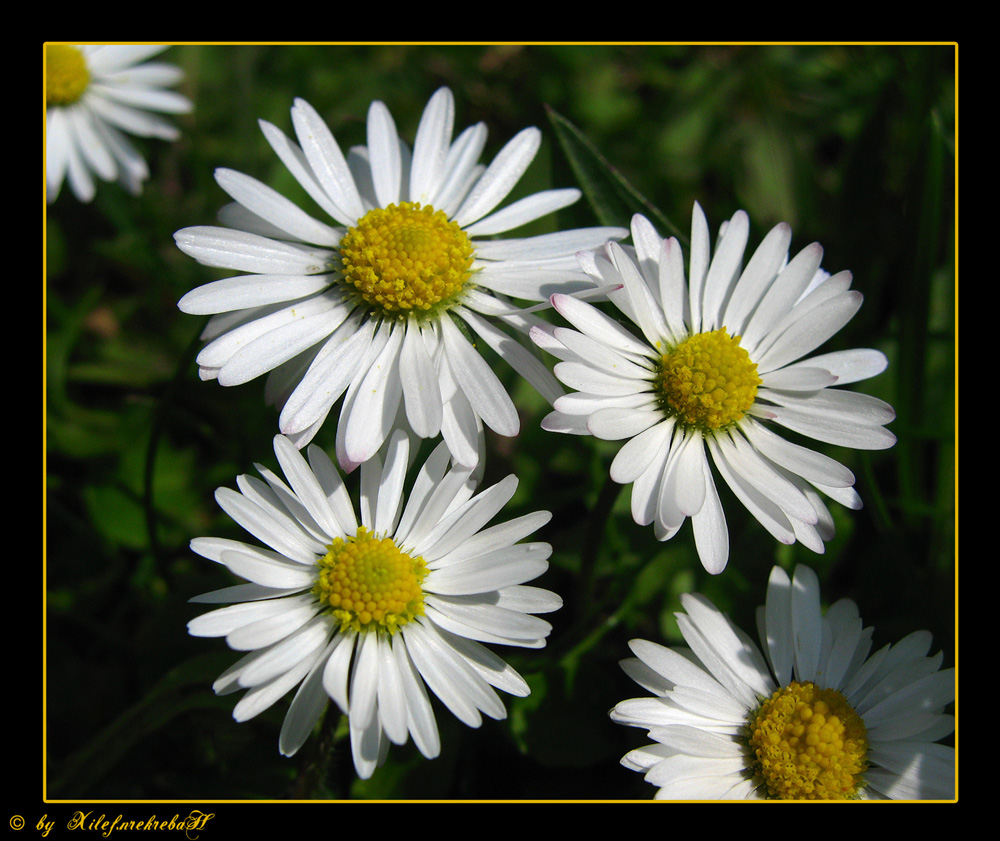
[(807, 743), (369, 583), (66, 74), (406, 258), (708, 381)]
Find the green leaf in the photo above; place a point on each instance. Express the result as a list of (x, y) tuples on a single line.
[(613, 199)]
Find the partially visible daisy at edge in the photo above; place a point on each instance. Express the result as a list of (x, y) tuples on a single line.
[(810, 717), (713, 368), (379, 306), (372, 609), (96, 95)]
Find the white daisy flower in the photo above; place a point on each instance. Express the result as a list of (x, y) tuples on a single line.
[(715, 365), (813, 717), (95, 96), (378, 304), (372, 610)]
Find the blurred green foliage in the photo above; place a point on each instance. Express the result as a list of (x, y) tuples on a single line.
[(853, 145)]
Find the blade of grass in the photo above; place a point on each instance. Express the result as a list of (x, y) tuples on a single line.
[(613, 199)]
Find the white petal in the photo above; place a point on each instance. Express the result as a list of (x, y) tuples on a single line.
[(306, 708), (425, 487), (546, 246), (673, 289), (243, 251), (529, 599), (694, 742), (798, 378), (306, 486), (421, 390), (645, 488), (809, 464), (292, 331), (300, 645), (602, 356), (784, 292), (369, 747), (377, 398), (675, 667), (106, 59), (760, 474), (592, 322), (807, 624), (430, 146), (364, 681), (808, 332), (383, 147), (699, 264), (481, 386), (736, 664), (637, 454), (329, 374), (468, 520), (460, 168), (243, 593), (275, 208), (491, 669), (225, 620), (849, 366), (420, 715), (500, 177), (711, 534), (487, 623), (269, 526), (336, 672), (452, 680), (928, 694), (767, 512), (77, 171), (529, 280), (760, 271), (648, 245), (724, 270), (248, 291), (297, 164), (523, 211), (499, 536), (847, 418), (683, 489), (521, 563), (392, 702), (442, 493), (135, 121), (326, 160), (583, 377), (922, 771), (514, 354), (228, 333), (694, 777), (777, 625), (261, 697), (89, 142), (580, 404), (390, 491), (461, 427), (268, 570), (290, 634), (615, 423)]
